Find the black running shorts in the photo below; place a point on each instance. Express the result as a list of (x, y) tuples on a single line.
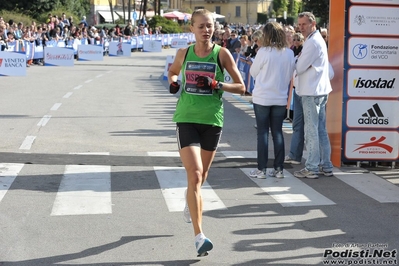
[(205, 136)]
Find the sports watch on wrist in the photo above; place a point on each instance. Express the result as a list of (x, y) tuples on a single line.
[(219, 85)]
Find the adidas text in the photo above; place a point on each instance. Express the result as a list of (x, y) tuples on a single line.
[(373, 121)]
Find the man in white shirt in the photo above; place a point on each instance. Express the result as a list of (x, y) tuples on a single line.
[(314, 85)]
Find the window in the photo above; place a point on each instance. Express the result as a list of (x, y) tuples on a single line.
[(238, 11), (217, 9), (198, 7)]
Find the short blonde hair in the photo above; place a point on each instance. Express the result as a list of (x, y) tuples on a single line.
[(198, 12)]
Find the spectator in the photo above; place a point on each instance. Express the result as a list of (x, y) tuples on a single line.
[(233, 43), (272, 70), (65, 20), (324, 34), (289, 32), (256, 41), (298, 43), (70, 19), (84, 21), (244, 45), (314, 86)]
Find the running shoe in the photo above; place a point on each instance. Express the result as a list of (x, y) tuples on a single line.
[(305, 173), (276, 173), (203, 245), (258, 174)]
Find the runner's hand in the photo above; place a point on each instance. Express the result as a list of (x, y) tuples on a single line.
[(174, 87), (204, 82)]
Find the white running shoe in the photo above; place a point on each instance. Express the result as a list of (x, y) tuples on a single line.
[(276, 173), (203, 245), (258, 174), (186, 211)]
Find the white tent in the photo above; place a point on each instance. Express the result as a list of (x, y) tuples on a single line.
[(216, 16), (107, 15)]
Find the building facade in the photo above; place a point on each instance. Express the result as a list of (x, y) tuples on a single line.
[(235, 11)]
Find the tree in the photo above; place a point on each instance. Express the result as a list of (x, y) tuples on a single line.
[(112, 10), (279, 6), (320, 8), (35, 8)]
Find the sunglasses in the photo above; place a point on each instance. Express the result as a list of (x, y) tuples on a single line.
[(296, 40), (324, 36)]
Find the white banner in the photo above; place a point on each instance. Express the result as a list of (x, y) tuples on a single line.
[(364, 21), (12, 64), (90, 53), (119, 49), (373, 52), (55, 56), (179, 43), (152, 46), (372, 145), (373, 113), (373, 82)]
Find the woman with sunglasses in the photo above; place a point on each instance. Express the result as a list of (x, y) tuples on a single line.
[(298, 40)]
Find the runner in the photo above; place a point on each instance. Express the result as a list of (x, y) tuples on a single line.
[(199, 112)]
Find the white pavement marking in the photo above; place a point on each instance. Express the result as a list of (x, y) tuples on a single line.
[(27, 143), (88, 81), (99, 76), (77, 87), (68, 95), (290, 191), (163, 153), (173, 183), (84, 189), (56, 106), (240, 154), (8, 173), (44, 120), (370, 185)]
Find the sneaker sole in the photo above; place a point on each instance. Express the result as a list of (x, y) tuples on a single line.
[(207, 246), (309, 176), (328, 174), (292, 162)]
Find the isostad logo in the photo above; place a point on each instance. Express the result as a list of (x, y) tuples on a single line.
[(374, 84), (1, 61), (373, 116)]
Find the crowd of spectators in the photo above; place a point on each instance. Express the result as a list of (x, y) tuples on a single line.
[(245, 40), (63, 28)]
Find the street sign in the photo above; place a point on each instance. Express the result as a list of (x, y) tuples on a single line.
[(134, 15)]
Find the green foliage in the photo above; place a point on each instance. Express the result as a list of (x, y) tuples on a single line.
[(288, 21), (35, 8), (279, 6), (16, 17), (262, 18), (320, 8), (168, 26)]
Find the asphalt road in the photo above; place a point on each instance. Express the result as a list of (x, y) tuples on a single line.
[(89, 175)]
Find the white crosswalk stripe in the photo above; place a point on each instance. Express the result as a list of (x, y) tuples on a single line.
[(290, 191), (173, 183), (86, 189), (8, 173)]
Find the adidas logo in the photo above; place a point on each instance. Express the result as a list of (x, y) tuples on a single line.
[(373, 116)]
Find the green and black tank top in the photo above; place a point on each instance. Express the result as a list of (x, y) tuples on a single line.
[(197, 105)]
